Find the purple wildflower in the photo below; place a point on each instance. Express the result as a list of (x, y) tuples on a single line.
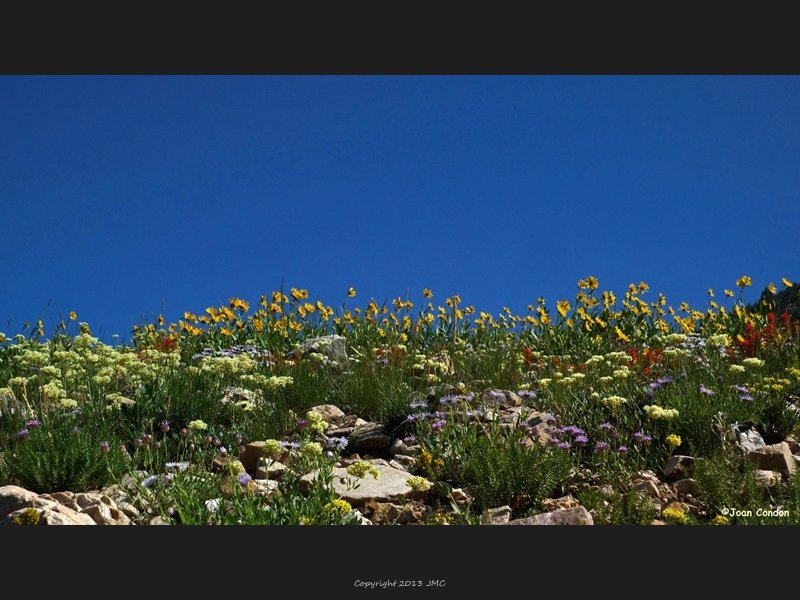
[(149, 481), (665, 379), (606, 427), (148, 438), (438, 425), (622, 449), (550, 419), (581, 440), (238, 438), (104, 447), (181, 466), (601, 445), (164, 426), (244, 479), (564, 446), (22, 434), (32, 424), (409, 440), (706, 391), (524, 442)]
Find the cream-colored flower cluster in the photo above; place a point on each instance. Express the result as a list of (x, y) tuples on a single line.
[(655, 412)]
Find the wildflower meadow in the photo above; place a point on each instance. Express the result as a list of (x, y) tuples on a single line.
[(590, 402)]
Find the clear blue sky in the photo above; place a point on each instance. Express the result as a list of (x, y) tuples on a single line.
[(120, 193)]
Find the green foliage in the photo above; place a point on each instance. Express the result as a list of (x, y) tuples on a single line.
[(55, 457), (500, 471), (632, 508)]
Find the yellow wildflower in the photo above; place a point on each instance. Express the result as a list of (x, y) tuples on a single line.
[(786, 282), (744, 281), (427, 293), (563, 307)]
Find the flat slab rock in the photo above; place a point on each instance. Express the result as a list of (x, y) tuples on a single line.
[(565, 516), (390, 484)]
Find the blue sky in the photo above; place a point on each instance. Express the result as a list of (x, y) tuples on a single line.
[(123, 195)]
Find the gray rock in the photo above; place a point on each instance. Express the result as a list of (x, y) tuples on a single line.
[(749, 440), (370, 436), (390, 484), (776, 457), (333, 347), (567, 516), (678, 467)]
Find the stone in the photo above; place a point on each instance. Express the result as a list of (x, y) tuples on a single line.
[(749, 440), (270, 469), (566, 516), (100, 513), (648, 487), (370, 436), (685, 486), (678, 467), (390, 485), (775, 457), (333, 347), (496, 516), (329, 412), (14, 498)]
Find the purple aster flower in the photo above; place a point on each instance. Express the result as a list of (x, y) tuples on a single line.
[(606, 427), (32, 424), (555, 441), (665, 379), (720, 378), (166, 478), (149, 481), (581, 440), (76, 429), (244, 479), (421, 404), (290, 445), (524, 442), (238, 439), (449, 399), (601, 445), (22, 434), (646, 440), (104, 447), (412, 418), (706, 391), (655, 386), (302, 423), (650, 393), (438, 425), (638, 436), (409, 440), (622, 449), (221, 450), (741, 388), (746, 397), (549, 419), (181, 466), (164, 426)]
